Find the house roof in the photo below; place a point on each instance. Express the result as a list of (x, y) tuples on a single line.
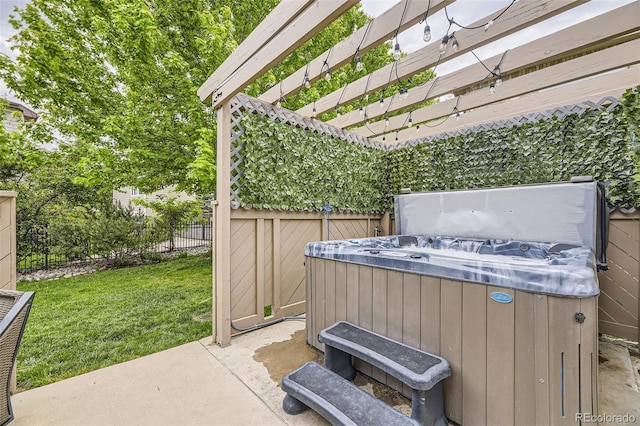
[(27, 113)]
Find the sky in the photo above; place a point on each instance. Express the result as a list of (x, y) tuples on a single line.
[(463, 11)]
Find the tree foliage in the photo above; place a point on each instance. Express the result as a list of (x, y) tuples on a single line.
[(115, 82)]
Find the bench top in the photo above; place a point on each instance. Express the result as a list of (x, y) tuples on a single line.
[(338, 400), (418, 369)]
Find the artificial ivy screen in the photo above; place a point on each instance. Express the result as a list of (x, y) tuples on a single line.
[(289, 168), (595, 143), (286, 167)]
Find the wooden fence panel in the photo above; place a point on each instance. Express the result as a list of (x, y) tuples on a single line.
[(267, 258), (618, 306), (7, 240)]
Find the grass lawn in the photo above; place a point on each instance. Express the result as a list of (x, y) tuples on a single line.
[(88, 322)]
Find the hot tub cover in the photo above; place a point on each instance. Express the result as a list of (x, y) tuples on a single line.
[(548, 268)]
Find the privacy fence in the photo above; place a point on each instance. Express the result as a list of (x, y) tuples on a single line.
[(292, 179)]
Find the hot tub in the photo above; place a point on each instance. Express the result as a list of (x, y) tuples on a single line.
[(517, 321), (515, 318)]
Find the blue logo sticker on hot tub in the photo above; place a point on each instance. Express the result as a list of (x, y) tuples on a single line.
[(501, 297)]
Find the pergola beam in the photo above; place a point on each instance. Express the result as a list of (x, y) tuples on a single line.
[(367, 37), (303, 27), (594, 89), (602, 61), (590, 34), (521, 15), (278, 19)]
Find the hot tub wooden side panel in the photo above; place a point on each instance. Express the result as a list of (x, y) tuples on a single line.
[(524, 362)]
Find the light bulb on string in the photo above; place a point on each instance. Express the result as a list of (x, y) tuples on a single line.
[(488, 25), (454, 44), (384, 137), (327, 76), (338, 113), (361, 110), (386, 122), (498, 80), (417, 128), (492, 88), (359, 65), (426, 36), (307, 82), (279, 103), (396, 51), (410, 121), (458, 115), (381, 103), (313, 113), (396, 136), (443, 45)]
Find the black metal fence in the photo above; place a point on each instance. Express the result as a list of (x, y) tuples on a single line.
[(37, 248)]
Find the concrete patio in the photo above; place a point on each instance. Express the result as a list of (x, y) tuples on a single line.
[(203, 384)]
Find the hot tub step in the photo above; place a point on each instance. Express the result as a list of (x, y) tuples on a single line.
[(420, 370), (336, 399)]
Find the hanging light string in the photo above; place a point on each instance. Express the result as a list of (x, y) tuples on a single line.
[(356, 55), (363, 110), (495, 73), (340, 98), (427, 29), (455, 108), (396, 47), (327, 76), (485, 25)]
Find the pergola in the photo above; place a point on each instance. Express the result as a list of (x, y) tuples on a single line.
[(583, 62)]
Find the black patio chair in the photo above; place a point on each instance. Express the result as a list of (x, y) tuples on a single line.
[(14, 311)]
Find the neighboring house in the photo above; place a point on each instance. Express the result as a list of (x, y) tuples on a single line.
[(125, 197), (16, 114)]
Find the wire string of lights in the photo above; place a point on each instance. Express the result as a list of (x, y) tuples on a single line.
[(495, 74), (356, 55), (486, 25)]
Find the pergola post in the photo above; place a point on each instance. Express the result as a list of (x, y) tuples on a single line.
[(222, 224)]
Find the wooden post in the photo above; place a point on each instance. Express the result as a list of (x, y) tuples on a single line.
[(222, 268)]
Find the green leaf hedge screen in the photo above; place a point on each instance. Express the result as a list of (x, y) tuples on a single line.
[(289, 168)]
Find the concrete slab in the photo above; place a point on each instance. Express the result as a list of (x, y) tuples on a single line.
[(202, 384), (618, 392), (179, 386)]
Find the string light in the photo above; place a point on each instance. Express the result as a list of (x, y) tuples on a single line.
[(488, 25), (359, 65), (396, 136), (327, 76), (279, 103), (410, 121), (384, 137), (492, 88), (458, 115), (396, 51), (338, 113), (307, 82), (386, 122), (454, 44), (361, 110), (426, 36), (443, 45), (313, 113), (381, 102), (417, 128)]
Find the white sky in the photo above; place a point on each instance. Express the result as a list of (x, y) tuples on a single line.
[(463, 11)]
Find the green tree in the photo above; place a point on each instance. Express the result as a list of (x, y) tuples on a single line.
[(115, 82), (171, 215)]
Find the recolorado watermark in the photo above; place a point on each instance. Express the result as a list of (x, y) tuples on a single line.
[(617, 419)]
